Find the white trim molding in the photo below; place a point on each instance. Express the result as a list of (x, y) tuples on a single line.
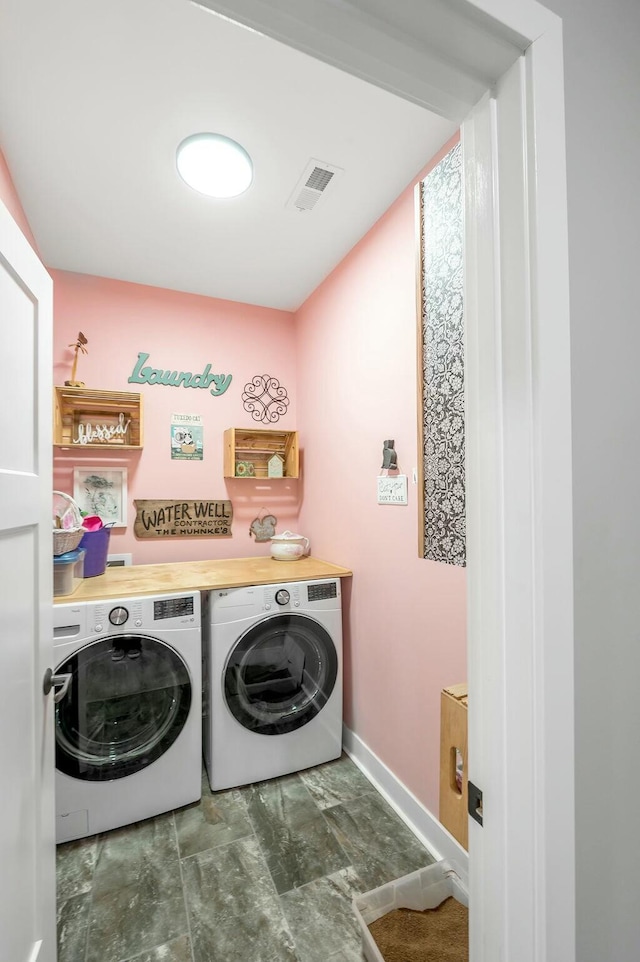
[(519, 539), (436, 56), (424, 825)]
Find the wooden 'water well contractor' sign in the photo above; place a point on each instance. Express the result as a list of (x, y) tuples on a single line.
[(182, 519)]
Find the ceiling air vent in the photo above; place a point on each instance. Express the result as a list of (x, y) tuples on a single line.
[(316, 179)]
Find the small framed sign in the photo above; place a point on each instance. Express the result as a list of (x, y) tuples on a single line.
[(103, 492), (392, 489), (186, 437)]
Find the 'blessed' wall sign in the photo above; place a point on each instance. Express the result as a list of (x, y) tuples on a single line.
[(115, 432), (216, 383)]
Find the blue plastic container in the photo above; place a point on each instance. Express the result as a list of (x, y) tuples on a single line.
[(68, 571)]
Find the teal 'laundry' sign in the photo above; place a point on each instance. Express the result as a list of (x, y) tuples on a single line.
[(216, 383)]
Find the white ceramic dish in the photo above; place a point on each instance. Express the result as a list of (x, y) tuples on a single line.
[(289, 546)]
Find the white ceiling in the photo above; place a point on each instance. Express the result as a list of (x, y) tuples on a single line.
[(95, 97)]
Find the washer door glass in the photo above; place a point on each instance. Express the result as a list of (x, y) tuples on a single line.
[(280, 674), (128, 701)]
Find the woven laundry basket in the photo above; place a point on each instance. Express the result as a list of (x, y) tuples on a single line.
[(67, 538)]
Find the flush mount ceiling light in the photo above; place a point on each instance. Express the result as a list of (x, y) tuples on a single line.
[(214, 165)]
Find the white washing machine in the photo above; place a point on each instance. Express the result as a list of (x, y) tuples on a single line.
[(273, 680), (129, 727)]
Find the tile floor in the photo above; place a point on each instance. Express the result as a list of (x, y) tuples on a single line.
[(264, 873)]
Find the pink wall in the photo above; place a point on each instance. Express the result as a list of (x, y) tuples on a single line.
[(406, 637), (351, 349), (183, 332), (9, 197)]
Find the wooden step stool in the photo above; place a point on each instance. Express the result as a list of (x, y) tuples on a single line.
[(453, 780)]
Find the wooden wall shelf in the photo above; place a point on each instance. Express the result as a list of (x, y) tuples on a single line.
[(88, 420), (257, 446)]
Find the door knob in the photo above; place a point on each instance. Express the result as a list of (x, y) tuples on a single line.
[(56, 681)]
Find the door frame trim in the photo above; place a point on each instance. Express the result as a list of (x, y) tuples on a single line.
[(520, 574)]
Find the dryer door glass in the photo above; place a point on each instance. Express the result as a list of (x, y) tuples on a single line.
[(280, 674), (128, 701)]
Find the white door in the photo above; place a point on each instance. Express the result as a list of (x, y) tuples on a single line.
[(27, 847)]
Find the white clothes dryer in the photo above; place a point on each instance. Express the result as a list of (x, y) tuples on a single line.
[(273, 680), (128, 730)]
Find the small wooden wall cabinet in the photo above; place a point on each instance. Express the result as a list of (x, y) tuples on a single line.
[(257, 446), (454, 776), (80, 413)]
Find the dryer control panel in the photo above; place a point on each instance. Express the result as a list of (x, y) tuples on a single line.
[(322, 591), (233, 604), (281, 596)]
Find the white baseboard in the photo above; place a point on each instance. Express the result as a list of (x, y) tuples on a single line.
[(413, 813)]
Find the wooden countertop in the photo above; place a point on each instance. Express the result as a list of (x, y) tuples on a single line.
[(199, 576)]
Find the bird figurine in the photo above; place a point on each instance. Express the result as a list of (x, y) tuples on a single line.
[(389, 455)]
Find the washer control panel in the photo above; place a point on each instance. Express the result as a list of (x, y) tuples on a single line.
[(172, 607), (144, 613)]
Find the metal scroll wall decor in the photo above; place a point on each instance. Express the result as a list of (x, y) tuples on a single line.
[(265, 399), (441, 329)]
